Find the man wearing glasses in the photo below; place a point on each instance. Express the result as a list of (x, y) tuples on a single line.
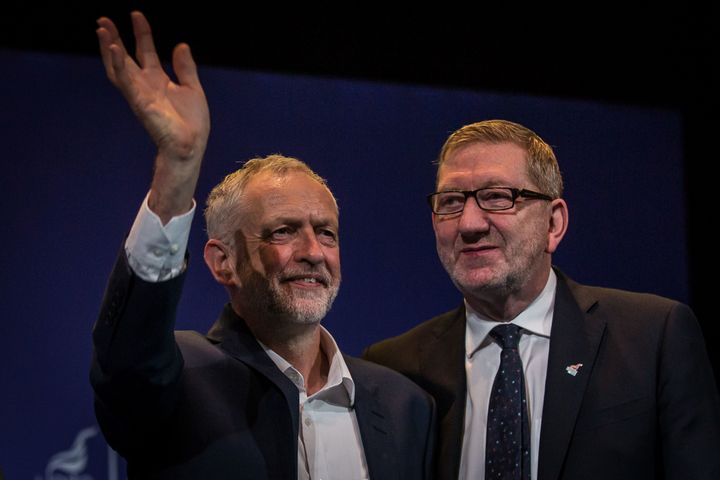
[(534, 375)]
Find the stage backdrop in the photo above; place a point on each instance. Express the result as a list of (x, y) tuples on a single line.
[(76, 164)]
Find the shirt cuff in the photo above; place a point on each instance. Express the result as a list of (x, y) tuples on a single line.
[(156, 252)]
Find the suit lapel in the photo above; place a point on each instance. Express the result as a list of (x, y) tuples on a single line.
[(232, 335), (442, 363), (574, 340), (375, 431)]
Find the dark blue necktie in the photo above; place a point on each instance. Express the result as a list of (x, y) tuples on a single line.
[(507, 445)]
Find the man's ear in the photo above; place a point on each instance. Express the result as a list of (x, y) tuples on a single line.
[(219, 260), (558, 224)]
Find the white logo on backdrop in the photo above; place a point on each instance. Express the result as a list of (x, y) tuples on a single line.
[(71, 464)]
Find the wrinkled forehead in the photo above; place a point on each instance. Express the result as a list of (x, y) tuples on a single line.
[(292, 193), (483, 164)]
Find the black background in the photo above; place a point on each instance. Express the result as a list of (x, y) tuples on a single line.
[(641, 55)]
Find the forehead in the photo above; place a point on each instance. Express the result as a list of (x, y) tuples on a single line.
[(484, 164), (292, 194)]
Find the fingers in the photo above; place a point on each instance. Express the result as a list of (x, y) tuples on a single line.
[(125, 73), (184, 67), (121, 72), (144, 46), (107, 24), (107, 36), (104, 39), (113, 52)]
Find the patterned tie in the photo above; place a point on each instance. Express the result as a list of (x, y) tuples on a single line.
[(507, 445)]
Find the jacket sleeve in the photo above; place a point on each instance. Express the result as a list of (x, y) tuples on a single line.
[(688, 404), (136, 364)]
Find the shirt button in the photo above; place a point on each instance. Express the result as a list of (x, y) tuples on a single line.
[(174, 248), (308, 422), (157, 252)]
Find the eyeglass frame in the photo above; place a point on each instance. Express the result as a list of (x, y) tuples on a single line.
[(515, 193)]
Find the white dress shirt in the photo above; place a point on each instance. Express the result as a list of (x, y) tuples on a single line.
[(329, 443), (482, 359), (156, 252), (329, 446)]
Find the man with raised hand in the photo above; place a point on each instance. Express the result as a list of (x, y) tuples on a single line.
[(266, 393)]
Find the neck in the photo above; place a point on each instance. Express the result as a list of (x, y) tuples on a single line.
[(503, 309), (503, 304), (299, 345), (307, 357)]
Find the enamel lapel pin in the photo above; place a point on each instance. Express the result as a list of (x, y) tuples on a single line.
[(573, 369)]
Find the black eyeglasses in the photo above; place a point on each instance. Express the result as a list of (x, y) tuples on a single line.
[(490, 199)]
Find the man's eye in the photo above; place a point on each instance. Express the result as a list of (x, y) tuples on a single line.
[(281, 233), (451, 200), (328, 236), (490, 196)]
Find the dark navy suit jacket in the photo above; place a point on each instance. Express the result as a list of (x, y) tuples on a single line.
[(644, 405), (180, 405)]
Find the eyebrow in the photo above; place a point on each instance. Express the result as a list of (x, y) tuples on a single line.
[(492, 182), (315, 221)]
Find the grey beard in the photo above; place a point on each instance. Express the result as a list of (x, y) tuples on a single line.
[(267, 300)]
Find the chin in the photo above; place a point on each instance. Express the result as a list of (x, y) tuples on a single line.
[(307, 317), (475, 278), (310, 310), (476, 284)]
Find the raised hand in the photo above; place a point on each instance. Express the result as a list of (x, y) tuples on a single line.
[(175, 114)]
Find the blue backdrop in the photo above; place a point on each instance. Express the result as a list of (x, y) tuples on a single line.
[(76, 164)]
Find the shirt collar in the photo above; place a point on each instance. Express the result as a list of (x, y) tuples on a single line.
[(536, 319), (339, 388)]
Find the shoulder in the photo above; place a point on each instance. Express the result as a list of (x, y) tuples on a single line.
[(588, 296), (405, 353), (613, 297), (626, 308), (415, 337)]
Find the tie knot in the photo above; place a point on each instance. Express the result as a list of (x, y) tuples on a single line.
[(507, 335)]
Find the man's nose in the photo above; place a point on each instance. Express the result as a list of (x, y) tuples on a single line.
[(473, 219), (309, 248)]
